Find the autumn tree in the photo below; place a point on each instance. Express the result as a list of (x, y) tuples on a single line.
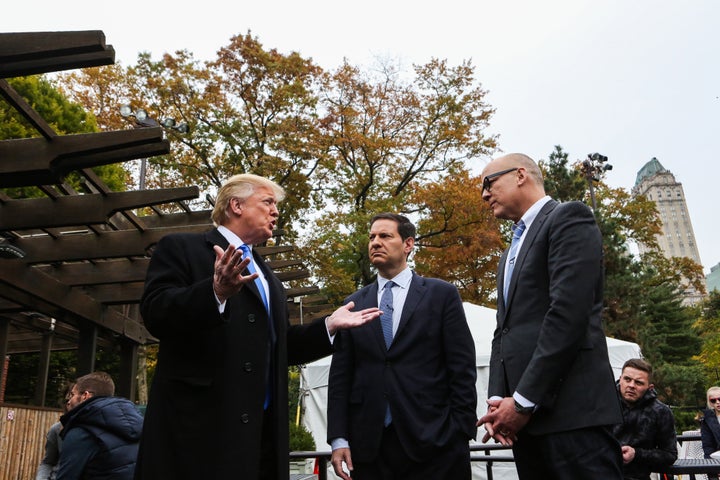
[(249, 111), (708, 327), (63, 116), (643, 295), (345, 144), (386, 140), (460, 239)]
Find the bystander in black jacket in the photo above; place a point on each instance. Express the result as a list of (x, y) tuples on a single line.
[(100, 440), (649, 427), (710, 432)]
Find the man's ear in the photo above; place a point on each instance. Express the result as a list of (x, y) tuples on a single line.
[(521, 175), (236, 206), (409, 245)]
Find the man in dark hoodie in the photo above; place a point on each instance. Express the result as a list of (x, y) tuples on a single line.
[(647, 434), (100, 432)]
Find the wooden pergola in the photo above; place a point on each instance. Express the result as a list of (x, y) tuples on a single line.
[(72, 264)]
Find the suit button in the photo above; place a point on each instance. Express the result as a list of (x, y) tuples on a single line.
[(244, 418), (248, 367), (251, 318), (505, 330)]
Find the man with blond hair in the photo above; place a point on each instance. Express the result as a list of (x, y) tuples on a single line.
[(218, 402)]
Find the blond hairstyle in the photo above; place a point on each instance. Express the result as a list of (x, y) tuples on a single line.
[(241, 186), (712, 391)]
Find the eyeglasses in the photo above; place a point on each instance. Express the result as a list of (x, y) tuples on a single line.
[(486, 181), (713, 400)]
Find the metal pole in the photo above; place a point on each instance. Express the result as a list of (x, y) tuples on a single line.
[(143, 171)]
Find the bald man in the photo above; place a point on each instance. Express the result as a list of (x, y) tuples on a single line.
[(551, 389)]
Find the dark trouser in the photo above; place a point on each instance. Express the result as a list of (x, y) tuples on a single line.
[(452, 462), (267, 456), (587, 453)]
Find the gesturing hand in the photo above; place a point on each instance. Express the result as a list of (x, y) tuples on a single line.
[(344, 317), (227, 277)]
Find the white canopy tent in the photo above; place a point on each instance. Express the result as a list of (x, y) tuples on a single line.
[(314, 380)]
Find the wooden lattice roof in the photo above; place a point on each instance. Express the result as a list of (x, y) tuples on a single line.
[(76, 259)]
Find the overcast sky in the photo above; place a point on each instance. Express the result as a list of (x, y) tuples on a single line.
[(631, 79)]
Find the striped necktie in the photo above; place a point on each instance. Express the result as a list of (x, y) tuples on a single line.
[(518, 230)]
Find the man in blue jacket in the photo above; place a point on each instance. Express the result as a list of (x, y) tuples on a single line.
[(100, 432)]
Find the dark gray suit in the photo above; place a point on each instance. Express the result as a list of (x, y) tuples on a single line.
[(427, 376), (549, 344)]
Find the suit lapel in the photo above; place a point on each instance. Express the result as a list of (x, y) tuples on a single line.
[(369, 299), (416, 291), (531, 233)]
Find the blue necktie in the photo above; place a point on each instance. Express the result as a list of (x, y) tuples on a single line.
[(518, 230), (386, 305), (251, 268)]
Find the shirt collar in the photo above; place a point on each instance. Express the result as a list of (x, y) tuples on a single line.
[(402, 279), (231, 237), (533, 211)]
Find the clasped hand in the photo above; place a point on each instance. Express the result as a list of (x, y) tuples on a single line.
[(502, 422)]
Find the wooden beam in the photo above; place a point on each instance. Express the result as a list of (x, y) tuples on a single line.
[(87, 349), (36, 161), (116, 294), (46, 295), (25, 110), (98, 273), (43, 369), (125, 385), (90, 246), (30, 53), (88, 209), (78, 246)]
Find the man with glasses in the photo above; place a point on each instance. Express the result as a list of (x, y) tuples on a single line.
[(100, 432), (647, 433), (551, 392)]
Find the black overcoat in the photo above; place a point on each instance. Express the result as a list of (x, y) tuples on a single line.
[(205, 412)]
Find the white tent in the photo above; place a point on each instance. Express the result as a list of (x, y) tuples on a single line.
[(314, 379)]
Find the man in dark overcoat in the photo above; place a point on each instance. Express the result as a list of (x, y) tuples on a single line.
[(218, 405)]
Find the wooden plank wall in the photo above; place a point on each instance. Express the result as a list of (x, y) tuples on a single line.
[(22, 439)]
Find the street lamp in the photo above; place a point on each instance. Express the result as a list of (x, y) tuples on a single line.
[(593, 168), (143, 120)]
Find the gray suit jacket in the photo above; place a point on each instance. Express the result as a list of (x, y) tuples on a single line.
[(549, 343), (427, 376)]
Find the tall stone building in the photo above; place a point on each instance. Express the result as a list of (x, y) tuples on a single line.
[(677, 238)]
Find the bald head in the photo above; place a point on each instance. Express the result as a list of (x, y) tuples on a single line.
[(522, 160), (512, 184)]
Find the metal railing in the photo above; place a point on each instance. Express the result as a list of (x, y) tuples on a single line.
[(478, 453), (323, 458)]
